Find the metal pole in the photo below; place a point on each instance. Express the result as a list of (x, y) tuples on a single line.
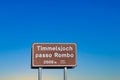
[(40, 73), (65, 73)]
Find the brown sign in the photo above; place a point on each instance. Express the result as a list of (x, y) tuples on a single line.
[(53, 55)]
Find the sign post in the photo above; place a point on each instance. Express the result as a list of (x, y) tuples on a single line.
[(65, 73), (53, 55), (40, 73)]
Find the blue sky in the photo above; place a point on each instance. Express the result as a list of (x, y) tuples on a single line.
[(93, 25)]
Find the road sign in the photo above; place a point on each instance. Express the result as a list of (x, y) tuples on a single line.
[(54, 55)]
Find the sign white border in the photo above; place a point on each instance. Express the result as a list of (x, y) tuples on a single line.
[(54, 65)]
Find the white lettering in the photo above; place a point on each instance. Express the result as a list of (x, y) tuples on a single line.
[(43, 55), (38, 47), (55, 48), (68, 55)]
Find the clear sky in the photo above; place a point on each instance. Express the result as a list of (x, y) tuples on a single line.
[(94, 25)]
